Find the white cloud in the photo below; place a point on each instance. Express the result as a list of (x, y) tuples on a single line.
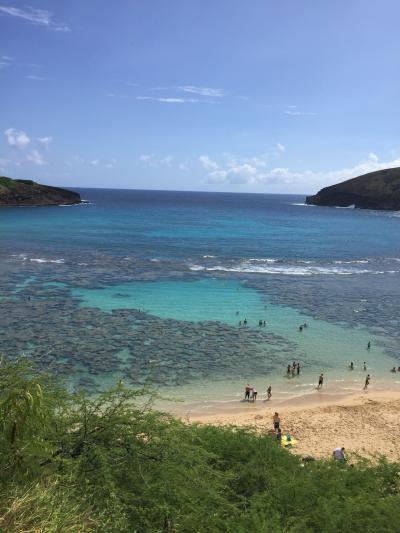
[(39, 17), (280, 148), (95, 162), (246, 173), (202, 91), (34, 77), (5, 61), (294, 112), (184, 166), (36, 158), (169, 100), (208, 163), (112, 163), (17, 138), (147, 159), (167, 160), (45, 141)]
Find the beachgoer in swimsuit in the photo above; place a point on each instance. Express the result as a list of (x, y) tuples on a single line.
[(367, 380), (288, 371), (264, 323), (254, 395), (293, 369), (298, 369), (365, 366), (247, 391), (300, 328), (269, 393), (245, 321), (352, 366), (393, 370), (279, 435), (369, 345), (320, 381), (276, 421)]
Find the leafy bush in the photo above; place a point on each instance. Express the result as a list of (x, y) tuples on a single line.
[(73, 463)]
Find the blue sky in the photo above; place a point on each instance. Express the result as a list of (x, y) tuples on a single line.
[(219, 95)]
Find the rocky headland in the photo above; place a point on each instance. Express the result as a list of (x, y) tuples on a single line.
[(27, 192), (376, 190)]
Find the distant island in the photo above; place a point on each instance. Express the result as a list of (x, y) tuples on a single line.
[(375, 190), (27, 192)]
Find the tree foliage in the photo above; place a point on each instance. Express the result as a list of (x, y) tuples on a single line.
[(73, 463)]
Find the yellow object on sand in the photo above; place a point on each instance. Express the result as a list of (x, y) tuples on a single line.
[(288, 441)]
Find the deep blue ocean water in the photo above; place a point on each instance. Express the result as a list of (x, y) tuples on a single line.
[(146, 284)]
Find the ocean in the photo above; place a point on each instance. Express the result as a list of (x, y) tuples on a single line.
[(155, 286)]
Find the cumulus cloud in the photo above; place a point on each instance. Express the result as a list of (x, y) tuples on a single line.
[(17, 138), (39, 17), (202, 91), (208, 163), (45, 141), (36, 158), (94, 162), (246, 173)]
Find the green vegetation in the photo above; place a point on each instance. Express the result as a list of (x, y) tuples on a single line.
[(71, 463)]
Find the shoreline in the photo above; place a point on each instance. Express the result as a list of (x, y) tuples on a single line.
[(366, 423)]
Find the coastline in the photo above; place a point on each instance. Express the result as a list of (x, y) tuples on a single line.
[(366, 423)]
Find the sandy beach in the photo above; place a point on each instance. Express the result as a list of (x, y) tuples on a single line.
[(367, 423)]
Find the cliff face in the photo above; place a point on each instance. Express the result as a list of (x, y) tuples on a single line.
[(376, 190), (27, 192)]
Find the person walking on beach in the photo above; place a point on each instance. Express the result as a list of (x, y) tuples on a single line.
[(276, 421), (269, 392), (320, 381), (247, 391), (367, 380)]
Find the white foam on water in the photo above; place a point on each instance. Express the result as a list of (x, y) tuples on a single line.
[(40, 260)]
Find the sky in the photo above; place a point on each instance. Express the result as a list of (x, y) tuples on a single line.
[(261, 96)]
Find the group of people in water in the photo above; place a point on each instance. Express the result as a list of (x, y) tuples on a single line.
[(293, 370), (261, 323), (250, 393)]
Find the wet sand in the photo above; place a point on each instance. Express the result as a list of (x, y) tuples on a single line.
[(366, 423)]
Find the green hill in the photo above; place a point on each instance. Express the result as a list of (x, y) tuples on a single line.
[(27, 192), (376, 190)]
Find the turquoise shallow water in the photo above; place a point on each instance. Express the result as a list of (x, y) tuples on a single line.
[(72, 282)]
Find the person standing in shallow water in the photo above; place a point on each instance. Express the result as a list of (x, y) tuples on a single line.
[(369, 345), (269, 392), (298, 369), (320, 381), (367, 380), (247, 391)]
